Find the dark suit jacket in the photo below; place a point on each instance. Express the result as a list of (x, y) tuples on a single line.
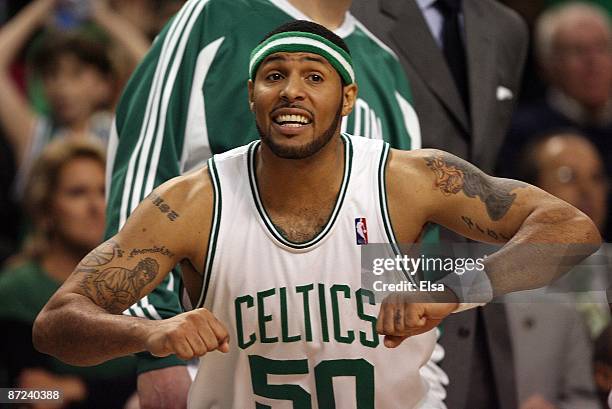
[(496, 47)]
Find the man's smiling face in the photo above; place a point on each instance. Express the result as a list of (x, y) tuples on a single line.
[(298, 100)]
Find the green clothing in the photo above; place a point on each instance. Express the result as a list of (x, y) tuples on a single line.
[(188, 100), (605, 4), (24, 290)]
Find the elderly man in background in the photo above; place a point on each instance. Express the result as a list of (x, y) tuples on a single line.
[(574, 50)]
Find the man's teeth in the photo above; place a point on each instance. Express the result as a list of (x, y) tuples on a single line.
[(292, 120)]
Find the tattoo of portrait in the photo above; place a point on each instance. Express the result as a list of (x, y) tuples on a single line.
[(454, 175), (163, 207), (103, 254), (155, 249), (116, 288), (489, 232)]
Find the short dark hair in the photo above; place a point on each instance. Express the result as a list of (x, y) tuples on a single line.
[(86, 49), (309, 27)]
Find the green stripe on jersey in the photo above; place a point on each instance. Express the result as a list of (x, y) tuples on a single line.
[(384, 208), (214, 231)]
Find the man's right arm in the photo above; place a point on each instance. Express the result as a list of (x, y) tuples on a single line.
[(146, 120), (82, 323)]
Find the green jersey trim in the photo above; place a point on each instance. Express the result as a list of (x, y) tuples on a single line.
[(348, 162), (214, 231), (384, 209)]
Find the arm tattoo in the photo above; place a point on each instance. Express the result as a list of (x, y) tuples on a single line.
[(489, 232), (155, 249), (163, 207), (114, 288), (454, 175), (103, 254)]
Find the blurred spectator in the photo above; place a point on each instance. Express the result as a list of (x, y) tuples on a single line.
[(558, 376), (574, 48), (602, 362), (65, 200), (569, 166), (78, 79)]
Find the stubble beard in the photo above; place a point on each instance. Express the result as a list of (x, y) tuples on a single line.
[(305, 151)]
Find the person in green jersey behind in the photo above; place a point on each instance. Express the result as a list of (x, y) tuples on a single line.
[(187, 101)]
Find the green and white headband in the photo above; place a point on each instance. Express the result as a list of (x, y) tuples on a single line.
[(298, 41)]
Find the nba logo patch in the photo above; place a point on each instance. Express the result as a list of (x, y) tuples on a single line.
[(361, 231)]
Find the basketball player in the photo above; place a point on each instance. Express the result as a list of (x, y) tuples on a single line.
[(265, 235), (187, 101)]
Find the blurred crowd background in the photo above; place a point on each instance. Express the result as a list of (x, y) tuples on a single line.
[(63, 64)]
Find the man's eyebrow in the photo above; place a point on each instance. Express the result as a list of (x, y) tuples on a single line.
[(273, 58), (315, 59)]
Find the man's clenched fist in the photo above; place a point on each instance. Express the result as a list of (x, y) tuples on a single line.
[(404, 315), (188, 335)]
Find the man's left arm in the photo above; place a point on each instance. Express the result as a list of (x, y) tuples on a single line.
[(544, 236)]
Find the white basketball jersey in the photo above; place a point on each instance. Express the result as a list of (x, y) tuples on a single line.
[(302, 330)]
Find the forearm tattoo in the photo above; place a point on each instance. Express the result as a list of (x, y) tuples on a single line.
[(116, 288), (454, 175)]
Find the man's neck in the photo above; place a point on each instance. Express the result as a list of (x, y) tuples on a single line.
[(293, 183), (328, 13), (59, 261)]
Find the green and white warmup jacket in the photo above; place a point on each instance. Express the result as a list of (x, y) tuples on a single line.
[(188, 100)]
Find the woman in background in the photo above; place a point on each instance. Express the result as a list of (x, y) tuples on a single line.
[(64, 198)]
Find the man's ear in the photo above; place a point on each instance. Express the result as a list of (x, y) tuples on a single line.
[(251, 100), (349, 95)]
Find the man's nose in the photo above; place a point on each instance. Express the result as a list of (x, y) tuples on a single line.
[(293, 88)]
